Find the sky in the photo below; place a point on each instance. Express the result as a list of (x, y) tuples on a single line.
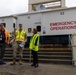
[(8, 7)]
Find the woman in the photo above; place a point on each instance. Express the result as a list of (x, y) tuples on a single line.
[(34, 47)]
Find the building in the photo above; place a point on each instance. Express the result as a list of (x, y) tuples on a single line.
[(9, 22)]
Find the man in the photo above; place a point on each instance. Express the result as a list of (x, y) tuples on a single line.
[(20, 38), (4, 39), (12, 40), (34, 47)]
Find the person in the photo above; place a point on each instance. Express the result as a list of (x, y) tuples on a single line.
[(20, 38), (4, 39), (34, 47), (13, 35)]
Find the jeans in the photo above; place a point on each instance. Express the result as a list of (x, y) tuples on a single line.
[(35, 57), (2, 51)]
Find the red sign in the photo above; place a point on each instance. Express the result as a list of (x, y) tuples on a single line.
[(63, 25)]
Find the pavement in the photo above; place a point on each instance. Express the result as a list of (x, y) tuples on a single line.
[(43, 69)]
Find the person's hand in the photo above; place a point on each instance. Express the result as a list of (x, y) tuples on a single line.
[(8, 43), (26, 40), (11, 41), (23, 42)]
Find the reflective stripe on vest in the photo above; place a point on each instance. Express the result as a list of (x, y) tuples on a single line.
[(32, 43), (20, 36)]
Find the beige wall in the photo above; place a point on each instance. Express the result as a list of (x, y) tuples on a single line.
[(62, 3), (34, 2), (40, 1)]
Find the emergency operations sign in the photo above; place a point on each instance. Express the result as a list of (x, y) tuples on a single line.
[(58, 24)]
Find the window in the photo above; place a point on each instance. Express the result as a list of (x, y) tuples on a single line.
[(38, 28), (29, 30), (13, 25)]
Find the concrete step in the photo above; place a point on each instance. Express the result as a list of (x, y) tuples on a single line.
[(54, 45), (45, 48), (42, 53), (52, 61), (43, 56), (56, 61), (59, 55)]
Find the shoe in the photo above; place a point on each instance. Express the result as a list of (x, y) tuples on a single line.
[(36, 65), (1, 63), (12, 63), (20, 62), (32, 64)]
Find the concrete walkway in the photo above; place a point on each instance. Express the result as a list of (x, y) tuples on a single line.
[(43, 69)]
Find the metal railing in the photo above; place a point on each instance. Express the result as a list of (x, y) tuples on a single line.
[(71, 46)]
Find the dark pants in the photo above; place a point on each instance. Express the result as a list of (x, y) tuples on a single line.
[(35, 57), (2, 51)]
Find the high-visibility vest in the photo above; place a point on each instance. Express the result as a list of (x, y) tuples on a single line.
[(7, 35), (32, 45), (20, 35)]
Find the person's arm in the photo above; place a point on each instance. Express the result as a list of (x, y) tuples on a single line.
[(36, 41), (25, 36), (8, 36)]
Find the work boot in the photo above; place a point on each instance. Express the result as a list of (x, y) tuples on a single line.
[(20, 61), (13, 63), (36, 65)]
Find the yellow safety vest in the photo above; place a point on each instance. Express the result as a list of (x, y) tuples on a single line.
[(32, 42), (20, 35)]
